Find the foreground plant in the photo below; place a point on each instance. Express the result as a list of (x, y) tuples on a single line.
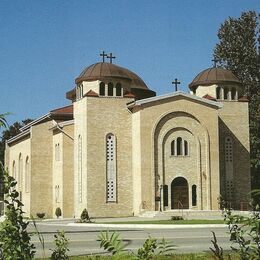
[(15, 242), (61, 249), (150, 249), (244, 234)]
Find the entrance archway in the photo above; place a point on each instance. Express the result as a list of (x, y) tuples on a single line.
[(179, 193)]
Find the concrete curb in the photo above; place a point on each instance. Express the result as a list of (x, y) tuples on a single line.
[(146, 226)]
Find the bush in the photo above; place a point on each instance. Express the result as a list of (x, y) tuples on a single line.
[(84, 217), (58, 212), (177, 218), (40, 215)]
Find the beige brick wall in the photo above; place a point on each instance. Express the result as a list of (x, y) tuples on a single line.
[(68, 175), (23, 148), (41, 169), (234, 122), (106, 115), (191, 116)]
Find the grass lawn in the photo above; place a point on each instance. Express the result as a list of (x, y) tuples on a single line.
[(190, 221)]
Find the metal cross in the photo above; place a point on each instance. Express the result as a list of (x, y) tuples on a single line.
[(103, 54), (110, 56), (176, 82), (215, 62)]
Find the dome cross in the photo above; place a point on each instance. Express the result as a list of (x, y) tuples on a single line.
[(215, 61), (176, 82), (103, 54), (111, 57)]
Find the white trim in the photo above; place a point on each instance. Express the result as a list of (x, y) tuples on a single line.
[(35, 122), (18, 136), (174, 94), (62, 124)]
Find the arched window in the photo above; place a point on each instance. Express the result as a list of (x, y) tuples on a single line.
[(57, 193), (57, 152), (226, 90), (102, 89), (173, 147), (194, 195), (14, 170), (80, 168), (118, 90), (110, 89), (179, 146), (229, 168), (27, 175), (81, 90), (111, 168), (218, 93), (20, 169), (186, 148), (233, 94)]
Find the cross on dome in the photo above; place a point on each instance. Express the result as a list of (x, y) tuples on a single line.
[(110, 56), (103, 54), (215, 61)]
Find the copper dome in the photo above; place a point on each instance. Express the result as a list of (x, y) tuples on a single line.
[(214, 76), (101, 70)]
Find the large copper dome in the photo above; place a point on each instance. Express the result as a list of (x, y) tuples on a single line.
[(101, 70), (214, 76), (104, 71)]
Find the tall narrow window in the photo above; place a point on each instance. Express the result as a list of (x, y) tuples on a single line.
[(111, 168), (102, 89), (118, 90), (80, 168), (27, 175), (233, 94), (186, 148), (226, 90), (229, 168), (14, 170), (57, 193), (110, 89), (218, 93), (20, 169), (179, 146), (173, 147), (194, 195), (57, 152)]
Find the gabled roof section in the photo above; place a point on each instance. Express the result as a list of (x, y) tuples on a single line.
[(62, 113), (91, 93), (18, 136), (63, 110), (175, 94)]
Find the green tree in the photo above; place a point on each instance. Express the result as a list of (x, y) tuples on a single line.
[(3, 122), (15, 242), (10, 132), (238, 50)]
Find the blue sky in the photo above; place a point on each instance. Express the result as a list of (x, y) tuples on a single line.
[(46, 44)]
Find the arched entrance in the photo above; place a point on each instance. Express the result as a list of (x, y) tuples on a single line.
[(179, 193)]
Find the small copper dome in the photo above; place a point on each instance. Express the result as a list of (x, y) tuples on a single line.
[(214, 76), (101, 70)]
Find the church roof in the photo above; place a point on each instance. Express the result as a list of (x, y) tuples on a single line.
[(101, 70), (175, 94), (214, 76)]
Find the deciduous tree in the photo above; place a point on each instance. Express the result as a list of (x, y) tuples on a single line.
[(238, 50)]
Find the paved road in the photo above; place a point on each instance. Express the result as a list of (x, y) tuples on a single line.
[(84, 239)]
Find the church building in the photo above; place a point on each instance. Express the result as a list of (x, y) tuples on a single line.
[(120, 150)]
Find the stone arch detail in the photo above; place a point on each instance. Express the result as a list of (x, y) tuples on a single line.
[(160, 133)]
